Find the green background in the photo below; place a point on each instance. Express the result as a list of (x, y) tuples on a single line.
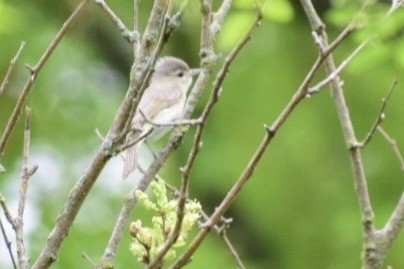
[(299, 210)]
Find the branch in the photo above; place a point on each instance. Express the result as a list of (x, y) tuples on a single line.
[(226, 202), (207, 52), (180, 122), (219, 230), (35, 72), (218, 17), (152, 32), (3, 232), (155, 17), (348, 130), (185, 171), (230, 246), (160, 11), (380, 115), (394, 146), (131, 37), (374, 247), (136, 31), (394, 224), (251, 166), (334, 75), (140, 73), (11, 67), (130, 144), (27, 172)]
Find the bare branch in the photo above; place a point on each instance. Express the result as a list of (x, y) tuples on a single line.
[(395, 223), (219, 15), (197, 142), (207, 52), (35, 72), (170, 124), (165, 33), (6, 211), (374, 245), (393, 144), (249, 170), (219, 230), (230, 246), (27, 172), (151, 49), (131, 37), (7, 241), (88, 259), (136, 31), (342, 36), (196, 145), (348, 130), (129, 144), (334, 75), (226, 202), (152, 32), (11, 67), (380, 116)]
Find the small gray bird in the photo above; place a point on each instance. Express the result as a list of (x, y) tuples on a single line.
[(162, 102)]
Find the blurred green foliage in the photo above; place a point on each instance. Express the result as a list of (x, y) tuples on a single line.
[(299, 210)]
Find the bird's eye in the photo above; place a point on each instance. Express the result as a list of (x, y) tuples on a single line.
[(180, 74)]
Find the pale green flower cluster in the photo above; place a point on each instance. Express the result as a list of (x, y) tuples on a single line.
[(147, 241)]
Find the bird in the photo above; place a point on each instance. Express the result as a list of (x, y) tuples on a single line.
[(163, 101)]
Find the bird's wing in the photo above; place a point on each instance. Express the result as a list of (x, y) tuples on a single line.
[(159, 97)]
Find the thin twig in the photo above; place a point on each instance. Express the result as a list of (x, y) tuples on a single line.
[(88, 259), (174, 141), (342, 36), (180, 122), (35, 72), (348, 130), (250, 168), (158, 46), (394, 225), (380, 116), (136, 31), (27, 172), (7, 212), (185, 171), (11, 67), (148, 48), (226, 202), (207, 52), (334, 75), (230, 246), (375, 244), (175, 192), (130, 144), (394, 146), (153, 29), (7, 242), (212, 100), (219, 15), (131, 37)]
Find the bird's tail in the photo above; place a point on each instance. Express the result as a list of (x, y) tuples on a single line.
[(131, 160)]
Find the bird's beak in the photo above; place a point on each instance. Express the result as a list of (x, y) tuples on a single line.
[(196, 71)]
